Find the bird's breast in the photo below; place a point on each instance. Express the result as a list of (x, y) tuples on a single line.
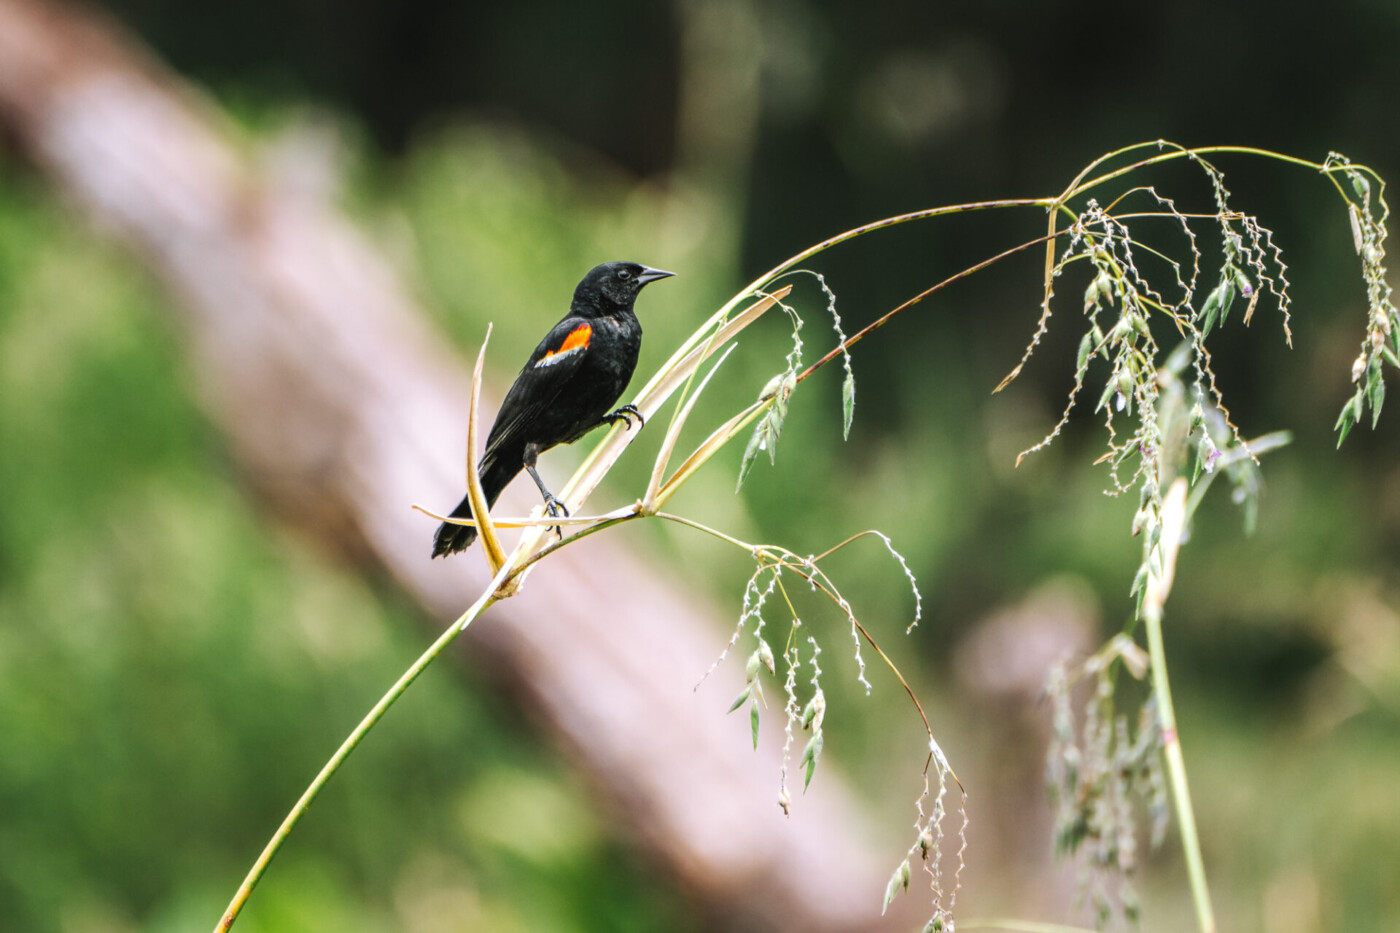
[(616, 344)]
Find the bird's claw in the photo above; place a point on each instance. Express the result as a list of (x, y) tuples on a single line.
[(556, 508), (625, 414)]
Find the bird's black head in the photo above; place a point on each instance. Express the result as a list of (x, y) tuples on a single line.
[(613, 286)]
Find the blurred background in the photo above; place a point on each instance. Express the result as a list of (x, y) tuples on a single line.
[(181, 649)]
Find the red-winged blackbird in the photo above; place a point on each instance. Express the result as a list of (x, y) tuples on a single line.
[(567, 388)]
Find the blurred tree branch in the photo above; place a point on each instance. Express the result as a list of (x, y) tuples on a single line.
[(342, 407)]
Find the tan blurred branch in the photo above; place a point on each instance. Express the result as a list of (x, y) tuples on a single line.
[(343, 407)]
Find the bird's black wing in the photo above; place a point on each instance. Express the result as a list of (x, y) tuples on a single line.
[(537, 390)]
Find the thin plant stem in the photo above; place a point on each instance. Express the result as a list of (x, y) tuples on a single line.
[(1158, 586), (313, 790), (1176, 775), (883, 319)]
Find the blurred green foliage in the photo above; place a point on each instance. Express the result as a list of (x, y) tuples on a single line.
[(173, 668)]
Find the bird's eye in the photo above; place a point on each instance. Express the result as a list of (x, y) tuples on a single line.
[(623, 274)]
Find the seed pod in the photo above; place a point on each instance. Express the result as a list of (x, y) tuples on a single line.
[(765, 653), (1140, 325), (1086, 346), (1140, 520), (1091, 296), (1356, 238), (814, 712)]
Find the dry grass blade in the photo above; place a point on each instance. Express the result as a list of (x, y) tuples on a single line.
[(673, 433), (490, 543), (711, 445), (667, 382)]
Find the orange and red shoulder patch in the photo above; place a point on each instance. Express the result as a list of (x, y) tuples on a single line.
[(576, 341)]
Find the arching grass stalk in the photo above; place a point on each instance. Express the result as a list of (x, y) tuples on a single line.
[(1095, 235), (313, 790)]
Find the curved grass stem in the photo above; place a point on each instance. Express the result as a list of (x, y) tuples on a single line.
[(357, 736)]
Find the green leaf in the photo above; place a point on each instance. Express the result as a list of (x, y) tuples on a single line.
[(1139, 580), (848, 404), (1210, 310), (1109, 391), (1086, 346), (1227, 297), (751, 452), (1347, 418), (1377, 399), (810, 754), (1218, 302), (899, 881), (739, 700), (753, 723)]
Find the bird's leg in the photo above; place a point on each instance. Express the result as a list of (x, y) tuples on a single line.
[(625, 414), (552, 505)]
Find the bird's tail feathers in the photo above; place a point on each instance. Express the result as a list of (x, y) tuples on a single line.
[(495, 475)]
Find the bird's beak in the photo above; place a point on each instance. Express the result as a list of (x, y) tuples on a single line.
[(651, 275)]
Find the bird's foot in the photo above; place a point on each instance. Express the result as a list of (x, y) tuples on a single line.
[(625, 414), (556, 508)]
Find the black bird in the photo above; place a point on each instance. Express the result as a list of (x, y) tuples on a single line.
[(567, 388)]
